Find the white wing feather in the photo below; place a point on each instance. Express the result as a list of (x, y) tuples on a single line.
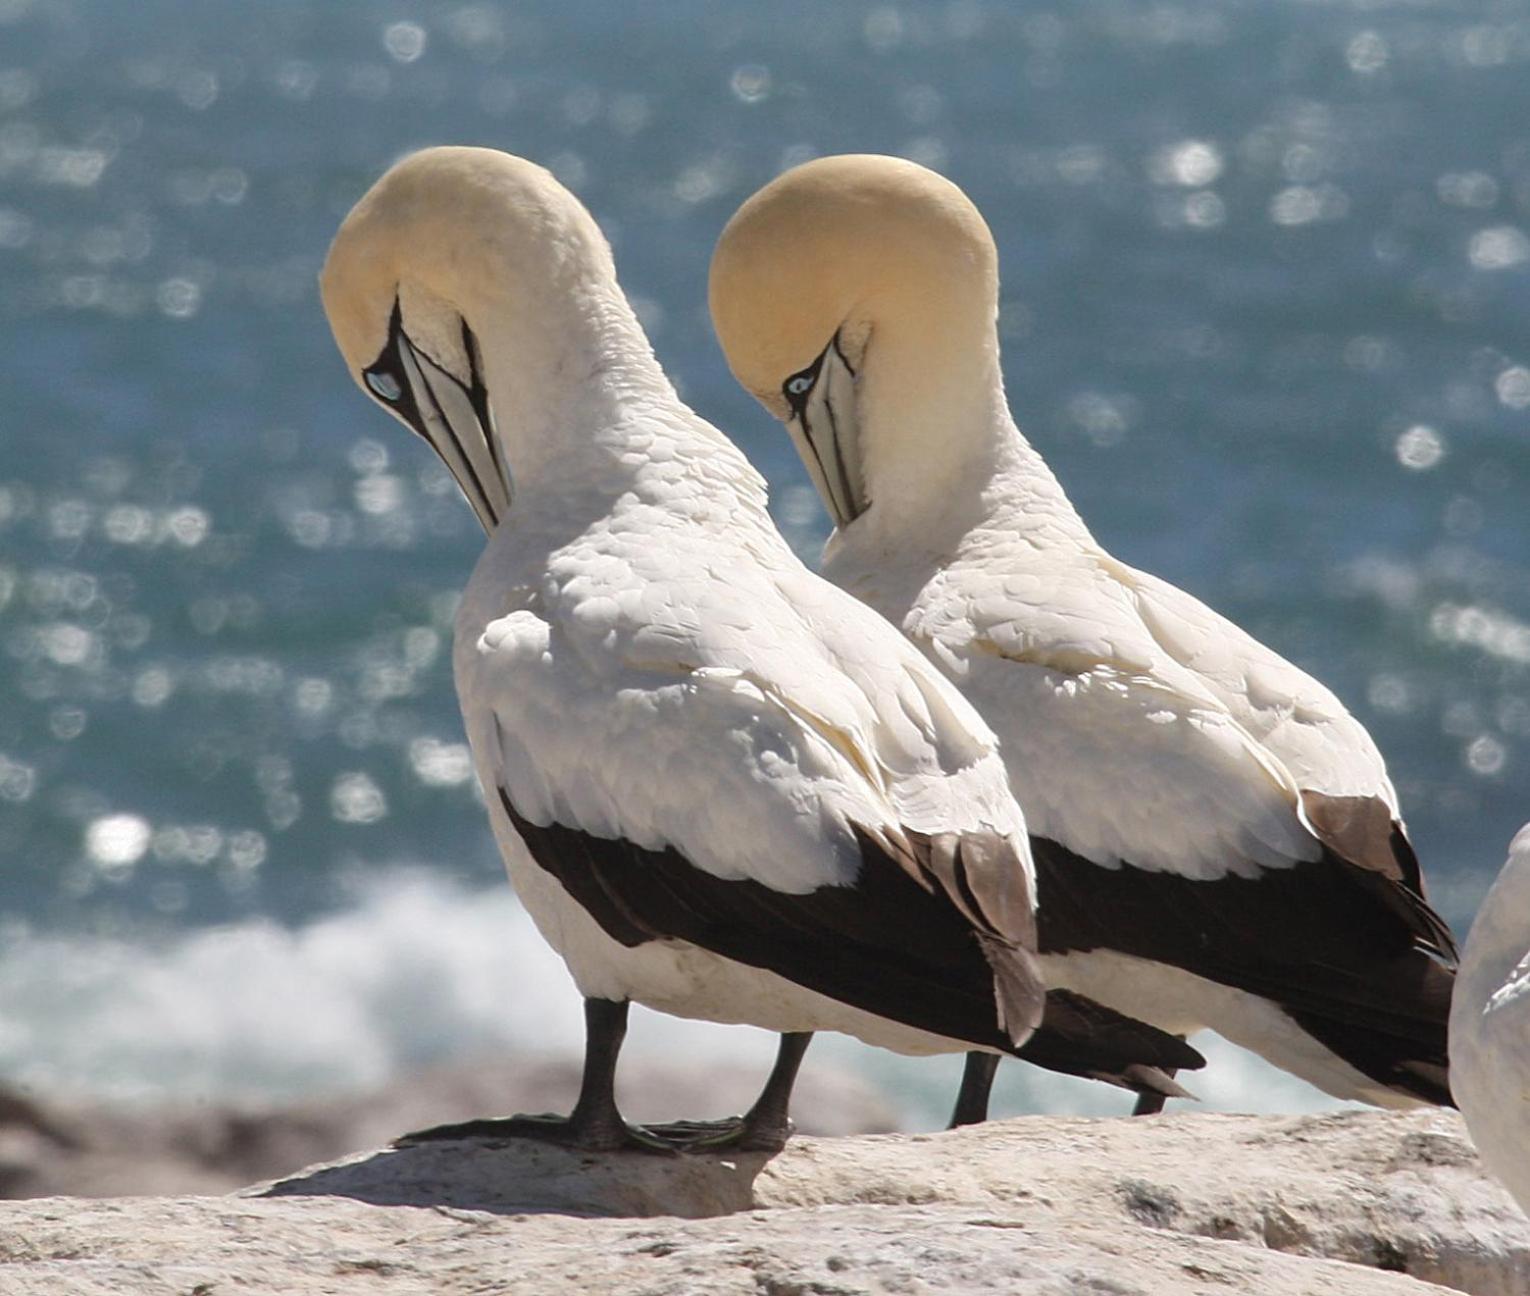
[(1292, 714), (748, 722), (1118, 749)]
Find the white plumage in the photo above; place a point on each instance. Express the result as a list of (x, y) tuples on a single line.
[(1217, 840), (674, 678), (722, 787), (1137, 722), (1490, 1026)]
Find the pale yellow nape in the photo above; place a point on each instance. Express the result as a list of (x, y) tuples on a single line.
[(877, 245), (474, 227)]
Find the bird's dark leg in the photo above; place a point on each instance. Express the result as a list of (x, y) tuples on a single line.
[(977, 1082), (766, 1126), (1150, 1104), (595, 1125), (595, 1115)]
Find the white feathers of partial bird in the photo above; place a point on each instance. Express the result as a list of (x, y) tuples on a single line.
[(1490, 1026)]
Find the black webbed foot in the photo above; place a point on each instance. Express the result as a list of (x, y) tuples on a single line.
[(587, 1135), (733, 1133)]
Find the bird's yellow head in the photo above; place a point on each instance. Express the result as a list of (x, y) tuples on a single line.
[(449, 247), (837, 267)]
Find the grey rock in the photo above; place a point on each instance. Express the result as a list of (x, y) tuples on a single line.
[(1343, 1205)]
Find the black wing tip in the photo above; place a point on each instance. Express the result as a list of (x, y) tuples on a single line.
[(1408, 1057), (1431, 1082), (1362, 833), (1080, 1036), (983, 883), (1425, 929), (1327, 939)]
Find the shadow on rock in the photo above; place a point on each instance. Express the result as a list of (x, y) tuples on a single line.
[(522, 1177)]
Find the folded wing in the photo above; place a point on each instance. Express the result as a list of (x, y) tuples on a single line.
[(759, 817)]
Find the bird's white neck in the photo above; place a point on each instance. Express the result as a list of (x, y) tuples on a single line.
[(585, 416), (565, 384), (943, 456)]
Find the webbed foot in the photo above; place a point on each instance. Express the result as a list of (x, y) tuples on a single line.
[(587, 1135), (734, 1133)]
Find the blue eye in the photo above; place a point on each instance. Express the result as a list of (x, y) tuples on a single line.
[(800, 385), (383, 384)]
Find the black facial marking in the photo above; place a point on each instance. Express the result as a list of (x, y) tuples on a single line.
[(446, 423), (800, 385), (839, 445), (478, 395), (797, 389), (840, 352), (387, 379)]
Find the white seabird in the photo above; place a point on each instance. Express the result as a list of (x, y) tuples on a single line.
[(722, 787), (1216, 839), (1490, 1026)]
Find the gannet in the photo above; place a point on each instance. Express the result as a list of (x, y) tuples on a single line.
[(1216, 839), (722, 787), (1490, 1026)]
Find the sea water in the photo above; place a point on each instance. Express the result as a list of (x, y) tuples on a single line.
[(1266, 309)]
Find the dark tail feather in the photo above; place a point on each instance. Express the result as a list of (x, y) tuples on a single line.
[(1078, 1036), (1350, 951), (1383, 1058), (1408, 1055)]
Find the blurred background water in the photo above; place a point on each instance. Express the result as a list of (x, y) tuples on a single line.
[(1266, 309)]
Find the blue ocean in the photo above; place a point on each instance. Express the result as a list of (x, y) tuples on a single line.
[(1266, 309)]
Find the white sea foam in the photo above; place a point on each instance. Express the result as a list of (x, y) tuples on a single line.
[(418, 970)]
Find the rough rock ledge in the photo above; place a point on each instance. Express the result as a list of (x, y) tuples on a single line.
[(1339, 1205)]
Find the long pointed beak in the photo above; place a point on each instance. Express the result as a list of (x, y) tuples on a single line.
[(451, 414), (460, 428), (825, 428)]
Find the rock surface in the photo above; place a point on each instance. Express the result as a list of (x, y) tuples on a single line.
[(89, 1149), (1340, 1205)]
